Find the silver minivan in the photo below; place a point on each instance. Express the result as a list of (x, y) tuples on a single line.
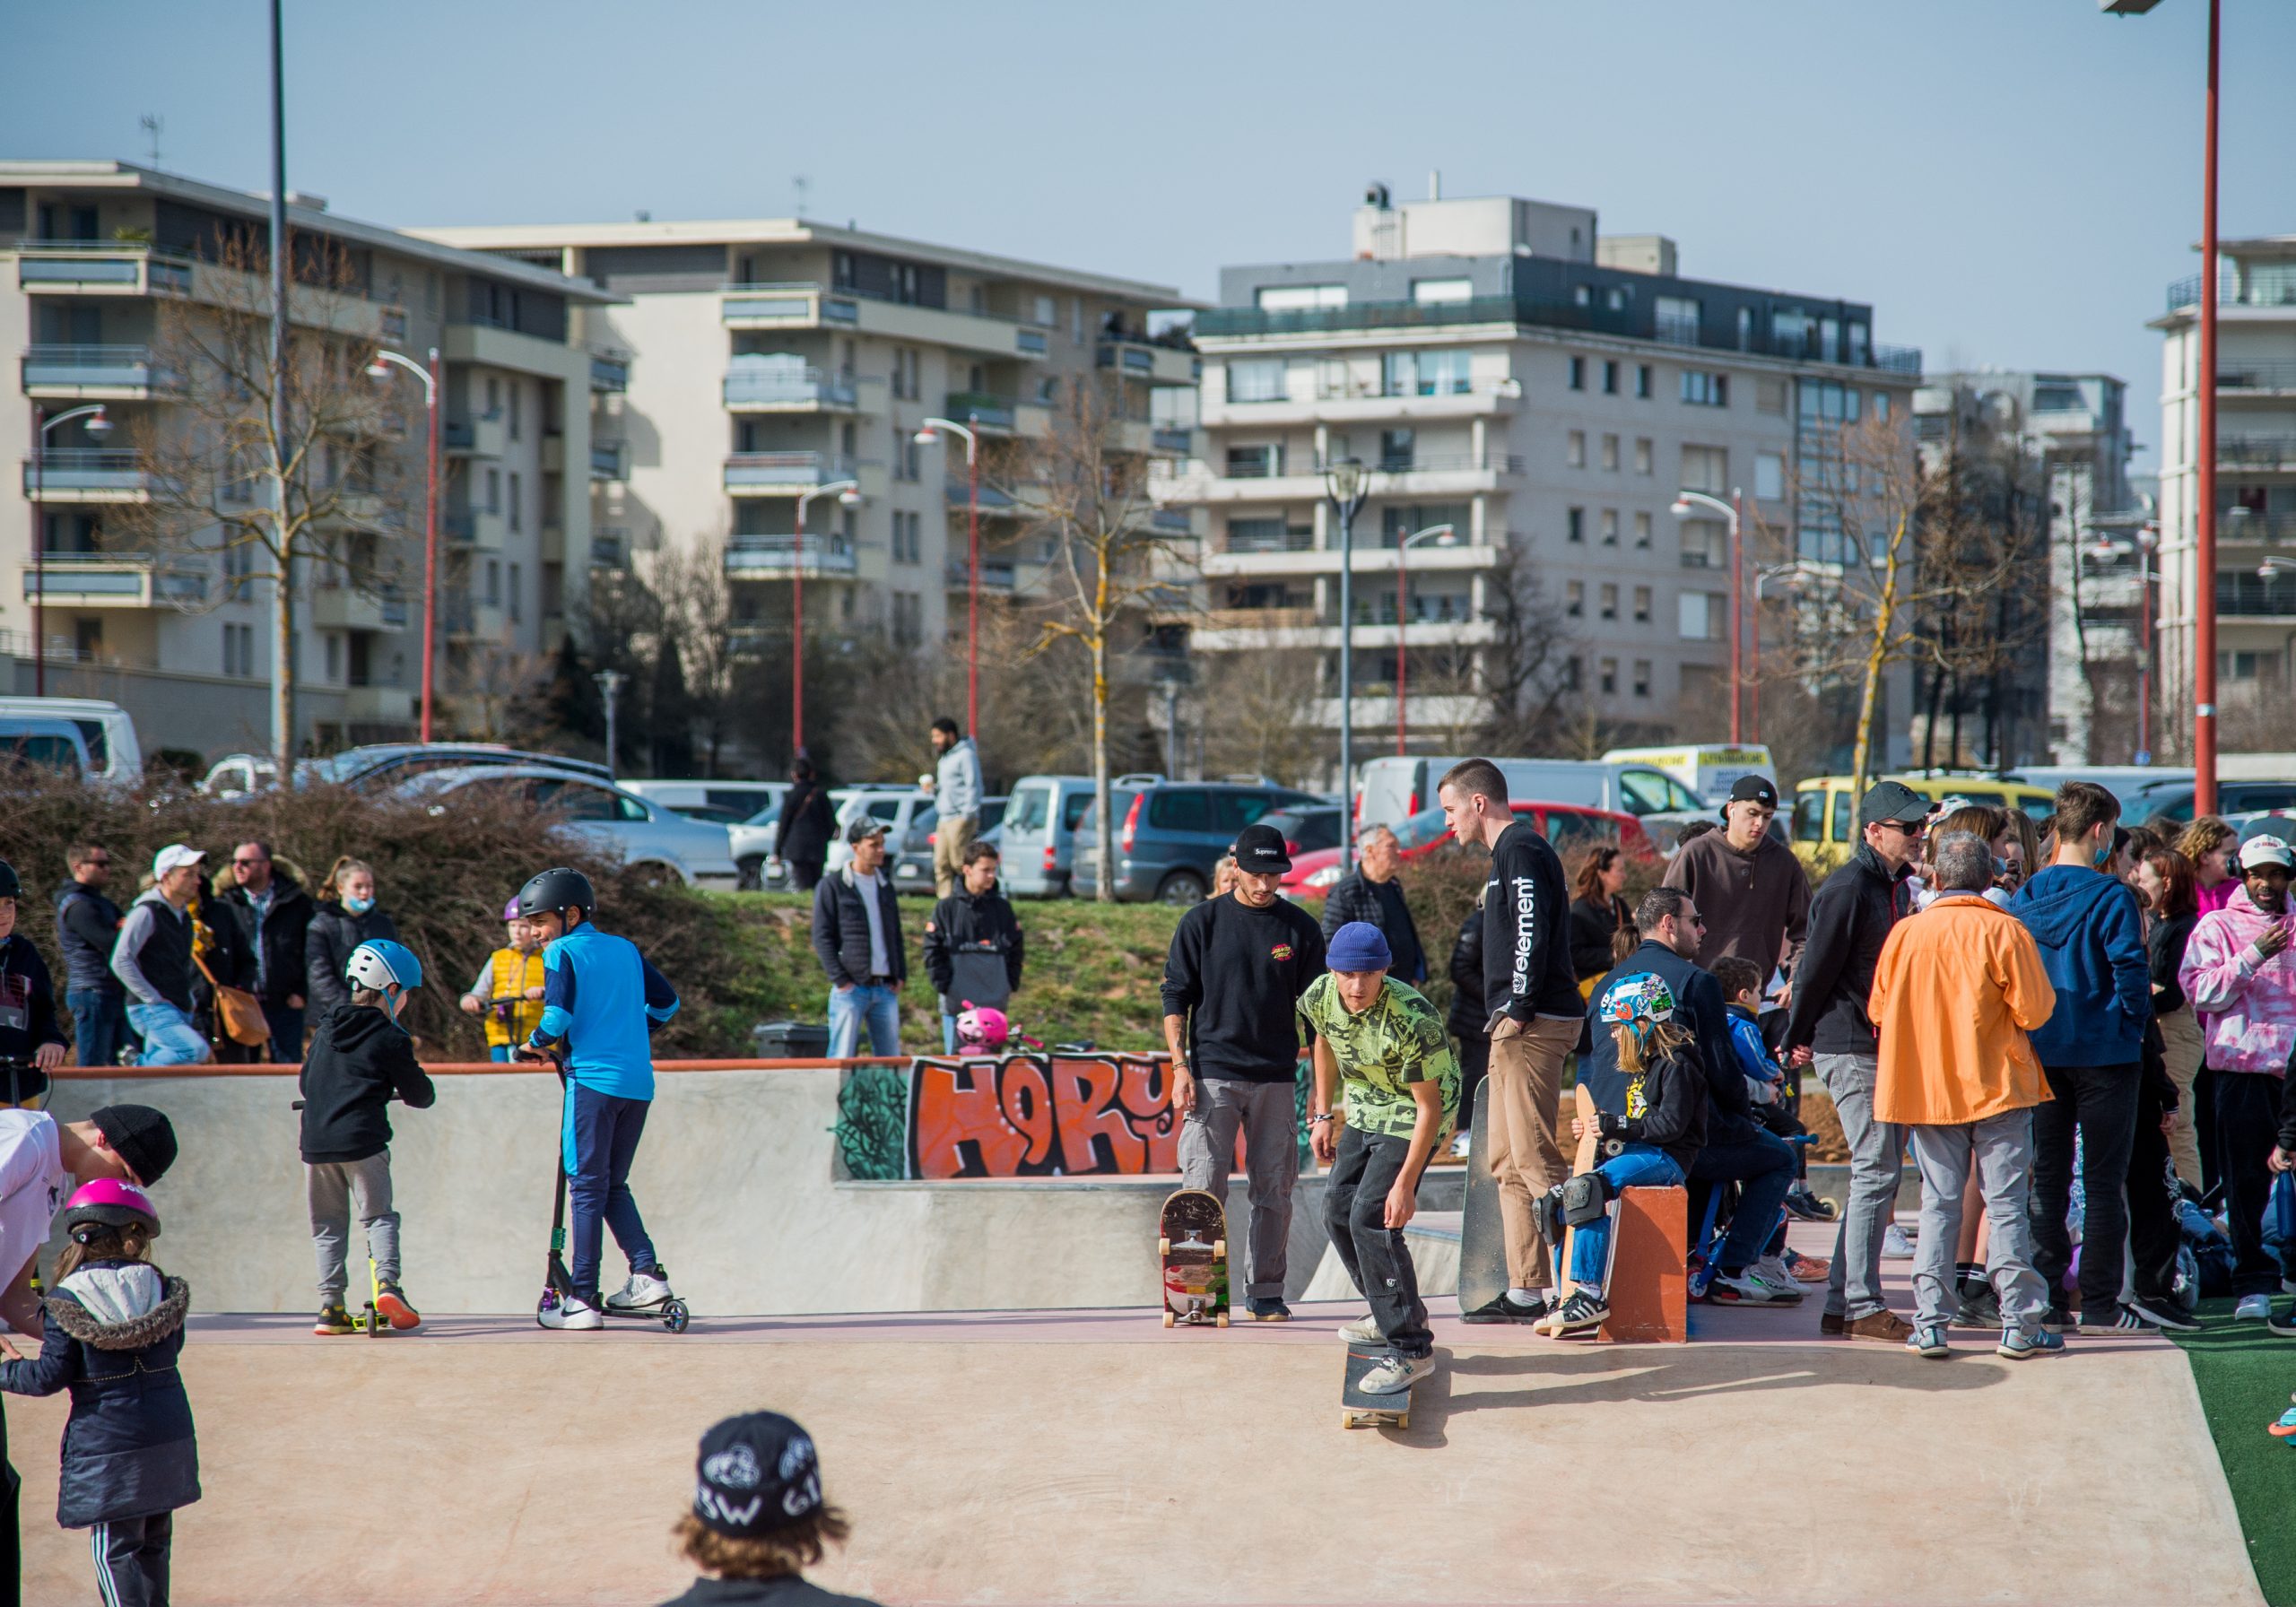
[(1039, 846)]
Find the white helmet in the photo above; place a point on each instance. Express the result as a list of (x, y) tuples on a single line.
[(383, 965)]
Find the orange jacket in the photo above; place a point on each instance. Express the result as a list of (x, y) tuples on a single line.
[(1956, 989)]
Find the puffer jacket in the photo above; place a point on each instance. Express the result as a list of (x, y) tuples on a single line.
[(2246, 1009), (112, 1334), (334, 933)]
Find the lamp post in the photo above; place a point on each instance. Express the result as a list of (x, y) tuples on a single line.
[(1684, 504), (1443, 536), (610, 685), (379, 370), (929, 435), (99, 425), (1348, 484), (849, 495)]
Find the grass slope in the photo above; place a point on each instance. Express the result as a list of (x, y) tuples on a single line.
[(2244, 1375)]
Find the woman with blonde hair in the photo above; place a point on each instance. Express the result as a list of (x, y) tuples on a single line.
[(2212, 846), (348, 916)]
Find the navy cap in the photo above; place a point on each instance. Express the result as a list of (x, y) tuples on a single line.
[(1359, 946)]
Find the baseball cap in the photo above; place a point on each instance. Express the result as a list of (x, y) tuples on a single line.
[(1892, 801), (2266, 850), (756, 1473), (172, 857), (1752, 789), (1260, 851), (863, 828)]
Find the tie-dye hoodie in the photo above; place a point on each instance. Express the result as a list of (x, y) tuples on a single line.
[(2248, 1004)]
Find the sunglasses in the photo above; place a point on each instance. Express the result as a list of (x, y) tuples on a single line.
[(250, 861), (1910, 828)]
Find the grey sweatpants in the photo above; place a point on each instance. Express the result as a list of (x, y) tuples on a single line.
[(1876, 1156), (335, 1188), (1270, 1122), (2000, 1150)]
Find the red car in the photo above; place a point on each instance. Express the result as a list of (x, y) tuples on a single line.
[(1566, 826)]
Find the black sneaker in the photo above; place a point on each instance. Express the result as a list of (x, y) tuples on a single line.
[(2116, 1318), (2057, 1319), (1506, 1309), (398, 1310), (1805, 1206), (334, 1319), (1269, 1308), (2173, 1315), (1980, 1307), (1582, 1313), (2285, 1326)]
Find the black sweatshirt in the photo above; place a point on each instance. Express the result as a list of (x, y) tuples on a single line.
[(27, 1000), (2164, 952), (360, 1057), (1670, 1096), (1526, 969), (1850, 917), (1237, 973)]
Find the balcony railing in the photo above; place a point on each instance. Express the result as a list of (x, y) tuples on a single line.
[(2256, 376), (1261, 619), (992, 499), (610, 549), (1898, 360), (609, 371), (1676, 329), (996, 574), (609, 460), (1172, 521), (980, 407), (102, 265), (1288, 541), (1179, 442), (93, 368), (2257, 452), (749, 556), (2240, 524), (788, 388), (2258, 290), (86, 469), (801, 302), (771, 471), (2242, 593), (1032, 342), (458, 524)]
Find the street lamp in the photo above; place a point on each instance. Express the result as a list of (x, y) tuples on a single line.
[(379, 371), (1443, 535), (930, 436), (2148, 538), (848, 493), (1687, 502), (99, 425), (610, 684), (1349, 484)]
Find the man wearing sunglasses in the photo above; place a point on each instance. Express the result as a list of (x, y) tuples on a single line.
[(271, 917), (1850, 917), (87, 925)]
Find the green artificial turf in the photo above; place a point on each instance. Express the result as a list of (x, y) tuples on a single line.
[(2245, 1376)]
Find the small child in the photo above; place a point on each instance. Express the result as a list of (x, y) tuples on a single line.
[(507, 990), (1651, 1146), (361, 1056), (1766, 1086), (111, 1333), (759, 1518)]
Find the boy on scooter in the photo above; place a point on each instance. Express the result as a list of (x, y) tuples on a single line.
[(601, 1002)]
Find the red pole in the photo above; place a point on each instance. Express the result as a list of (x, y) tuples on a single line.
[(40, 552), (2145, 575), (1737, 602), (1402, 603), (972, 591), (2203, 648), (431, 547), (797, 637)]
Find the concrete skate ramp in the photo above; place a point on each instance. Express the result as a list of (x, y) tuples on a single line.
[(1090, 1458)]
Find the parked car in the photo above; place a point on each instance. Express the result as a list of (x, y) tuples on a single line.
[(913, 865), (385, 765), (727, 802), (1309, 828), (895, 803), (645, 834), (1825, 829), (1569, 826), (1393, 788), (1170, 834), (2233, 798), (109, 753), (1039, 840), (42, 744), (1710, 769), (752, 842)]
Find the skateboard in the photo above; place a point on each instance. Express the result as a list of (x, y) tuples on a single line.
[(1359, 1410), (1193, 1246), (1483, 1241)]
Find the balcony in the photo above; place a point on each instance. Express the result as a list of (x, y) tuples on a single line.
[(609, 460), (610, 549), (979, 408), (458, 524), (2238, 524), (93, 373), (2256, 379), (2242, 593), (115, 580), (788, 390), (1173, 443), (1172, 521), (800, 306), (996, 574), (87, 474), (783, 473), (349, 608), (101, 268), (485, 436), (768, 557), (1149, 361), (609, 372), (1260, 619), (2270, 289), (994, 499), (1289, 540), (1428, 475), (2268, 452)]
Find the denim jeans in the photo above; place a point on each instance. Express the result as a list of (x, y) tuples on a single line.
[(99, 1025), (286, 1024), (1763, 1166), (1641, 1166), (169, 1036), (849, 1007), (601, 1141), (1376, 1257)]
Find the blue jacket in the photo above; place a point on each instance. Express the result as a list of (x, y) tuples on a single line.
[(602, 1000), (112, 1334), (2091, 941), (1700, 1010)]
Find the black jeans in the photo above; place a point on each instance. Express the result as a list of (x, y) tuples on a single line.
[(2101, 1100), (2203, 1129), (2247, 1126), (1762, 1165), (1475, 1063), (2154, 1234), (131, 1554), (1355, 1212)]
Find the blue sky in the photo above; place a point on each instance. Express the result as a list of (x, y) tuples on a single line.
[(2009, 182)]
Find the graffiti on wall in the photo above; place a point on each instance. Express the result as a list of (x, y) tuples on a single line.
[(1031, 1116)]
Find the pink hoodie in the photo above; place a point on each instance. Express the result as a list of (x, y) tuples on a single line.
[(2213, 898), (2249, 1003)]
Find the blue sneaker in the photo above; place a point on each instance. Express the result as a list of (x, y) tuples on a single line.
[(2018, 1345), (1930, 1339)]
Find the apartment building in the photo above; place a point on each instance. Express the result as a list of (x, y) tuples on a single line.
[(91, 254), (1500, 368), (2254, 583), (774, 358)]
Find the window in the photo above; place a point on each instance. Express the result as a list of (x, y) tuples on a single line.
[(493, 396), (1643, 455), (334, 656), (494, 491), (1642, 380), (1704, 543), (1180, 809), (494, 583), (1882, 406), (1044, 311), (1641, 677), (517, 501), (1610, 527), (1076, 319), (1576, 523), (1745, 328), (1396, 450), (1299, 297), (1610, 377), (1642, 606), (1642, 531), (1258, 380), (1574, 672), (1770, 476), (1264, 462), (1574, 599), (1610, 453), (1398, 375), (1443, 374), (1810, 816), (1769, 397), (1429, 292), (518, 392), (1702, 615), (1610, 677), (1578, 373), (1574, 449), (1706, 469), (908, 619), (1609, 602), (518, 590), (1702, 388), (1676, 319)]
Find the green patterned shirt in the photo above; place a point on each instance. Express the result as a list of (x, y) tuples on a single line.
[(1398, 1041)]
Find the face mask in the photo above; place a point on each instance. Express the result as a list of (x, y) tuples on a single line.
[(2104, 856), (358, 906)]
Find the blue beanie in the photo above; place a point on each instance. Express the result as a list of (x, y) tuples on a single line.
[(1359, 946)]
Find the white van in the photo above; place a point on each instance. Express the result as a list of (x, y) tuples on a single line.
[(1396, 788), (1710, 769), (727, 802), (114, 758)]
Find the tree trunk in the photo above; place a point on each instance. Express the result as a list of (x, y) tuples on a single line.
[(1877, 657), (1105, 888)]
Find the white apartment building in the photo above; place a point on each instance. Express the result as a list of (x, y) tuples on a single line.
[(2255, 486), (90, 253), (1501, 368), (770, 358)]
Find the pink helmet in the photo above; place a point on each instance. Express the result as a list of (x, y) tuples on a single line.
[(108, 1202), (985, 1025)]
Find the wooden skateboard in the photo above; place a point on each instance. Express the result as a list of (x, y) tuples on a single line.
[(1360, 1410), (1193, 1246), (1483, 1241)]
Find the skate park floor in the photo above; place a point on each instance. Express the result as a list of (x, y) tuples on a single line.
[(1094, 1456)]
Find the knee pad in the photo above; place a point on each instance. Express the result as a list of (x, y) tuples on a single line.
[(1585, 1197), (1546, 1210)]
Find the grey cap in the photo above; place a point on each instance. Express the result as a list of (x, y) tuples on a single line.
[(1892, 801), (863, 828)]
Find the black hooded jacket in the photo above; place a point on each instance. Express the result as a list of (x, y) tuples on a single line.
[(360, 1057), (1850, 917)]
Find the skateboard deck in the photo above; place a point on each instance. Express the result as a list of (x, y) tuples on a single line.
[(1483, 1241), (1193, 1247), (1360, 1410)]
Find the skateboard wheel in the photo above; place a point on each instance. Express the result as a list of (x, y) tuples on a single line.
[(1221, 1321), (674, 1317), (1168, 1317), (1163, 1246)]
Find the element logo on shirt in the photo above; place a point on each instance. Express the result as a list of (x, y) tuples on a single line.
[(1281, 952)]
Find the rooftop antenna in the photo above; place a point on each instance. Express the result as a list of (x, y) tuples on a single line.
[(803, 185), (152, 124)]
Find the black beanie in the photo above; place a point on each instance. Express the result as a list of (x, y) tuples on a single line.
[(141, 1136)]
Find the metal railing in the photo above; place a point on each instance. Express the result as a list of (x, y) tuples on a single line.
[(2242, 593), (997, 573), (2256, 376), (2277, 289), (1898, 360), (86, 469), (1180, 442), (793, 469), (609, 372), (113, 367), (1289, 540), (992, 499), (103, 263), (2240, 525), (2257, 452), (609, 460), (980, 407), (609, 549), (781, 554), (783, 387)]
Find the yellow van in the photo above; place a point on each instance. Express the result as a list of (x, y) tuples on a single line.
[(1825, 814)]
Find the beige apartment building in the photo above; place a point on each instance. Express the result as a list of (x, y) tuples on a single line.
[(771, 358), (90, 253), (1498, 367)]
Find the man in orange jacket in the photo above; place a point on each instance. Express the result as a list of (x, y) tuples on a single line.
[(1955, 991)]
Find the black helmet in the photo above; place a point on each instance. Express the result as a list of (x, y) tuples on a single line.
[(10, 887), (558, 889)]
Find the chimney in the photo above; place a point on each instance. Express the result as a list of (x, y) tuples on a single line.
[(1434, 184)]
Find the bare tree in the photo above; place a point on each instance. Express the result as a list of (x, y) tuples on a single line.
[(1265, 697), (1529, 672), (320, 500), (688, 581)]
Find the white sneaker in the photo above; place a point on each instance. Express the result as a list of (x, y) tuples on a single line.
[(1397, 1374), (1363, 1330), (643, 1292), (1895, 1245), (1460, 1151), (2253, 1308), (1772, 1269), (570, 1313), (1751, 1287)]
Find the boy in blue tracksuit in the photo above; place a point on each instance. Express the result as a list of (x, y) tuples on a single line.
[(601, 1002)]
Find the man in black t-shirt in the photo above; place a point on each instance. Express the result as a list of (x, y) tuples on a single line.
[(1232, 982)]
